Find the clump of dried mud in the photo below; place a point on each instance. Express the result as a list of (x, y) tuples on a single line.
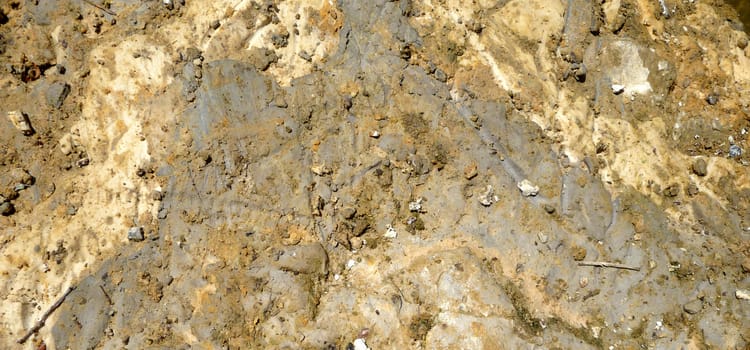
[(384, 174)]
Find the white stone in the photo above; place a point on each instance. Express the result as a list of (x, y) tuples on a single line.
[(416, 205), (350, 263), (359, 344), (618, 88), (742, 294), (390, 232), (488, 197), (527, 188)]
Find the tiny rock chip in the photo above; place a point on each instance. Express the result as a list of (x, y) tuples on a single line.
[(550, 209), (57, 93), (135, 234), (416, 206), (6, 208), (700, 167), (543, 238), (390, 232), (320, 170), (470, 171), (348, 212), (746, 265), (618, 89), (21, 121), (488, 197), (360, 344), (693, 307), (528, 189), (356, 242), (734, 151)]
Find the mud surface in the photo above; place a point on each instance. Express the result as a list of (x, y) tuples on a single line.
[(401, 174)]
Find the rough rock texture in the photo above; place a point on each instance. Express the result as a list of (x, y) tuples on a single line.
[(267, 154)]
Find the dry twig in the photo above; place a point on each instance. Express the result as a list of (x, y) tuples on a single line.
[(100, 7), (41, 321), (608, 264)]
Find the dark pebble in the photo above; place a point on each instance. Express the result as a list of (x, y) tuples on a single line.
[(7, 209)]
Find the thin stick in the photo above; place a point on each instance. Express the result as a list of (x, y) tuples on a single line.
[(607, 264), (100, 7), (106, 295), (41, 321)]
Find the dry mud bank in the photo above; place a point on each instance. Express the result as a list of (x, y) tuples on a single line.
[(406, 174)]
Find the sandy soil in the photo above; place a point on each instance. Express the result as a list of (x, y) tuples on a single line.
[(387, 174)]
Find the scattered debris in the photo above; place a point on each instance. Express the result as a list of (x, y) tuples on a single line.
[(136, 234), (21, 121), (608, 264), (390, 232), (527, 188), (489, 197)]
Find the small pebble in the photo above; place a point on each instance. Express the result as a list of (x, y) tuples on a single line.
[(6, 208), (700, 167), (693, 307), (528, 189), (549, 209), (735, 151), (543, 238), (21, 121), (390, 232), (470, 171), (135, 234), (712, 99), (416, 206), (488, 197)]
